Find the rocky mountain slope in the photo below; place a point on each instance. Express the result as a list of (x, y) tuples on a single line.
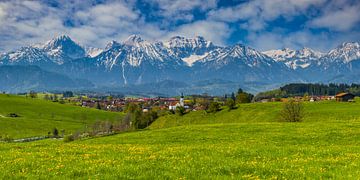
[(136, 61)]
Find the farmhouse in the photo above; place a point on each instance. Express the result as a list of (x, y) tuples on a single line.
[(345, 97)]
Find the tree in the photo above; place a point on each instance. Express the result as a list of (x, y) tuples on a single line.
[(213, 107), (98, 106), (33, 94), (244, 97), (46, 97), (180, 110), (233, 97), (135, 113), (204, 102), (292, 111), (55, 132), (68, 94), (55, 98), (230, 103)]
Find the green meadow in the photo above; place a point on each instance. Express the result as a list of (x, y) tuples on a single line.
[(219, 151), (249, 142), (38, 117), (322, 112)]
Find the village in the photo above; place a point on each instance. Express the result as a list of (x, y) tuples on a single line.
[(189, 103), (340, 97), (118, 104)]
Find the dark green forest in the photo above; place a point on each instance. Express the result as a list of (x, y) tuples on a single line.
[(301, 89)]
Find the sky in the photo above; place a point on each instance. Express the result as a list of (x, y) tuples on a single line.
[(261, 24)]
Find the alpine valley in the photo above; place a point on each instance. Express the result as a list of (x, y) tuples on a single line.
[(188, 65)]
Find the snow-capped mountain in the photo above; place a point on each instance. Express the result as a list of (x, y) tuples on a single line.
[(63, 48), (139, 61), (190, 60), (341, 64), (346, 52), (56, 51), (189, 50), (243, 64), (24, 55), (295, 59)]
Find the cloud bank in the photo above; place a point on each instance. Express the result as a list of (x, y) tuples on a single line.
[(262, 24)]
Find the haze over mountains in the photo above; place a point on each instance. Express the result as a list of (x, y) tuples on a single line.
[(189, 65)]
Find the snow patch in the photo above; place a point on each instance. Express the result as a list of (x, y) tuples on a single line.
[(193, 58), (304, 65), (93, 52)]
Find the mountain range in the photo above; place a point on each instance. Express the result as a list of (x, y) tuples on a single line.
[(189, 65)]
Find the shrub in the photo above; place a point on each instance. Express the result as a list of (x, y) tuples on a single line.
[(6, 138), (180, 110), (230, 103), (13, 115), (292, 111), (55, 132), (69, 138), (213, 107)]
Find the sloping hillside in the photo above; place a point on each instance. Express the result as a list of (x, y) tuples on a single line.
[(38, 117), (327, 111)]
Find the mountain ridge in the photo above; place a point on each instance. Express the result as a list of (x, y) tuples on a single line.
[(137, 61)]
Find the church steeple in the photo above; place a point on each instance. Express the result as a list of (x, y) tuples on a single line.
[(182, 100)]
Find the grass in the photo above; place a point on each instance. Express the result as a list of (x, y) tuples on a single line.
[(247, 143), (227, 151), (38, 117), (325, 111)]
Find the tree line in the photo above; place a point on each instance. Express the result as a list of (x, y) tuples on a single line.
[(301, 89)]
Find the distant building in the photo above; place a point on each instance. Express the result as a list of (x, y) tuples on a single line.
[(174, 105), (182, 100), (344, 97)]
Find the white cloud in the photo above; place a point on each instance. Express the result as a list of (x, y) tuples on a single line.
[(2, 13), (175, 10), (257, 13), (342, 19), (93, 24), (299, 39), (215, 31)]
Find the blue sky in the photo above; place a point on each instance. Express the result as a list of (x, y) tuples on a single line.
[(261, 24)]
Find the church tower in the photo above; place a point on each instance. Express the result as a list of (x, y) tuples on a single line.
[(182, 100)]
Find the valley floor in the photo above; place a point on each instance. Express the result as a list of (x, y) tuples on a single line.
[(243, 150)]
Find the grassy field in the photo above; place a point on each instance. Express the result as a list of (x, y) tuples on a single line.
[(325, 111), (247, 150), (247, 143), (38, 117)]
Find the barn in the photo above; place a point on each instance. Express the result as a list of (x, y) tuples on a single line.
[(344, 97)]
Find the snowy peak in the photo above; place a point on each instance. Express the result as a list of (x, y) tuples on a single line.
[(112, 44), (59, 41), (189, 50), (133, 40), (93, 52), (25, 54), (346, 52), (182, 42), (287, 54), (309, 53), (295, 59), (62, 48)]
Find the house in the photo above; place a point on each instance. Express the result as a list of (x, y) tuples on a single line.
[(312, 99), (173, 105), (344, 97)]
